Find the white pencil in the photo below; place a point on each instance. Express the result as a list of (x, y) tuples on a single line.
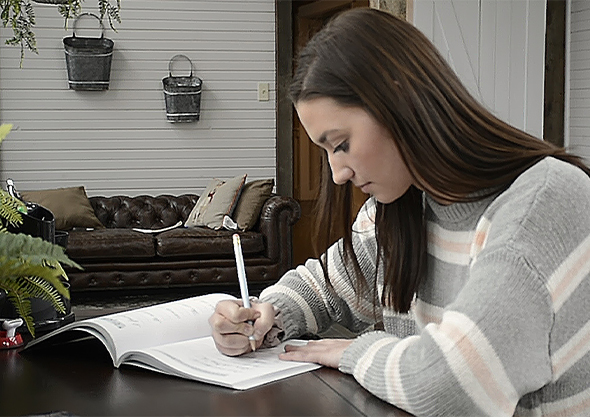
[(242, 281)]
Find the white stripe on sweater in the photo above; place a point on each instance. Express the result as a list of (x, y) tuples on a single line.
[(395, 390), (449, 246), (361, 308), (365, 361), (569, 274), (427, 313), (475, 364), (310, 321), (571, 352)]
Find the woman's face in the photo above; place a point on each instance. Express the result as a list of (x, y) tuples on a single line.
[(359, 149)]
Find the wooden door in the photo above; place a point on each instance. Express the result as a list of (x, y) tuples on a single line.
[(309, 17)]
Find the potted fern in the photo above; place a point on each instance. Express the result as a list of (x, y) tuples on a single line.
[(29, 266), (20, 16)]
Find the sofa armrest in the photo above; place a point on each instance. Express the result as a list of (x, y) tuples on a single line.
[(277, 217)]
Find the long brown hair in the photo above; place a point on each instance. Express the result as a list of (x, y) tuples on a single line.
[(450, 143)]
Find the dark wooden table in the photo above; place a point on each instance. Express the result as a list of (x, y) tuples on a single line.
[(80, 380)]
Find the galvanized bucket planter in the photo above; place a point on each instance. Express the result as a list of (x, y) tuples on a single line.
[(182, 94), (88, 59)]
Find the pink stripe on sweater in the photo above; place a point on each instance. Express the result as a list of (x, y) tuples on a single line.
[(477, 365)]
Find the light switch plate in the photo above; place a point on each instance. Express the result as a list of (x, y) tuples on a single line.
[(262, 91)]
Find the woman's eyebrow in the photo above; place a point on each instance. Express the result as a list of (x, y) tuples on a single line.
[(324, 136)]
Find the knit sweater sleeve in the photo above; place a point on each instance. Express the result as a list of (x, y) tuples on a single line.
[(308, 305)]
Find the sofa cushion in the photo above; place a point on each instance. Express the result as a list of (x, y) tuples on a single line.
[(144, 212), (218, 200), (124, 244), (70, 206), (202, 242), (253, 196)]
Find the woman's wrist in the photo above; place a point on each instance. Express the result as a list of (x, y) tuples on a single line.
[(276, 333)]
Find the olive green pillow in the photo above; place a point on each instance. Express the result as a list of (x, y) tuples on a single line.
[(70, 206), (253, 196), (218, 200)]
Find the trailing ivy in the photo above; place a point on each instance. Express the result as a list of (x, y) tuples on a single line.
[(20, 16)]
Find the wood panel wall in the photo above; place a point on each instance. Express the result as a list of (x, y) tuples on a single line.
[(119, 141)]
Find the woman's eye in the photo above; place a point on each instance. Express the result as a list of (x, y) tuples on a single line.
[(342, 147)]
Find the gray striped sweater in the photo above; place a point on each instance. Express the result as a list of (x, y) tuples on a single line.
[(502, 320)]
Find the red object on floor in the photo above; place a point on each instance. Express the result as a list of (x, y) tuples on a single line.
[(10, 342)]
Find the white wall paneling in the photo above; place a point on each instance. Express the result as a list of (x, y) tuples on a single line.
[(578, 79), (497, 47), (119, 141)]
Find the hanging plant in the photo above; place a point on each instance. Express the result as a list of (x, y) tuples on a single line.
[(20, 16)]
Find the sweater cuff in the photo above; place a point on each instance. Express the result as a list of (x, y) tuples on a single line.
[(357, 349), (276, 334)]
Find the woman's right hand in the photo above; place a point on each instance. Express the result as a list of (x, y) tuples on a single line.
[(230, 327)]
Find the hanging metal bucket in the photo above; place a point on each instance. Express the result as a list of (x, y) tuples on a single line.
[(182, 95), (88, 59)]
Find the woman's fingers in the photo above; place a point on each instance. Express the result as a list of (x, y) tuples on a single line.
[(231, 344), (232, 324), (327, 352)]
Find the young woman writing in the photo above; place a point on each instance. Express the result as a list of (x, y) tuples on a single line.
[(478, 229)]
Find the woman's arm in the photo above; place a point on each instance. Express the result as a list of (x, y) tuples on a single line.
[(308, 305)]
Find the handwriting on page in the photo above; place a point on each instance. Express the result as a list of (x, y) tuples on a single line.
[(160, 324), (218, 364)]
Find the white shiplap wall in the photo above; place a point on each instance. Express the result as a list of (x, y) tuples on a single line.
[(578, 80), (118, 141)]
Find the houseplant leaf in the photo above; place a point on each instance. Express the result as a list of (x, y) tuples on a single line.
[(32, 268)]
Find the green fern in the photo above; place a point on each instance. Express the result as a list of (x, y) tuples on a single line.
[(31, 267), (10, 210), (20, 290)]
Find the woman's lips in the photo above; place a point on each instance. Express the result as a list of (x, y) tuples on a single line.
[(365, 187)]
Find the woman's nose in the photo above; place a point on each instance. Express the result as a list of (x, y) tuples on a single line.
[(340, 173)]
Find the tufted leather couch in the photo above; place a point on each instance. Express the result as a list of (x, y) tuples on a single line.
[(118, 257)]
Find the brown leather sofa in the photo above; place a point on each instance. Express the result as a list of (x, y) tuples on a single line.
[(119, 258)]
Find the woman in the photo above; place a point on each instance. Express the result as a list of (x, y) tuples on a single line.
[(478, 228)]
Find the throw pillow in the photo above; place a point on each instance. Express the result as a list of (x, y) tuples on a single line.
[(70, 206), (251, 200), (218, 199)]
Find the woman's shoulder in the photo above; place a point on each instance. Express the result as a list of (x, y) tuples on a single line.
[(548, 179), (551, 172), (547, 199)]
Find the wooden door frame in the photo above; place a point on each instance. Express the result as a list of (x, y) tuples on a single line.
[(284, 117)]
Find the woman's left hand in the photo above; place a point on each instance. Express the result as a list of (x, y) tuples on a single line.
[(326, 352)]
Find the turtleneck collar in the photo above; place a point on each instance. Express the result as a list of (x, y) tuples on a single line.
[(459, 212)]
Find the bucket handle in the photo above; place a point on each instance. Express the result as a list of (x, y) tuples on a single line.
[(176, 57), (88, 14)]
